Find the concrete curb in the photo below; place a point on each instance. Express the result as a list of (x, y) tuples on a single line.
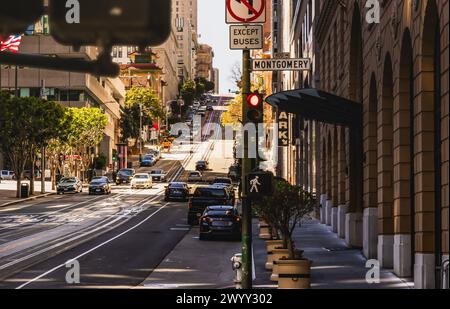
[(27, 199)]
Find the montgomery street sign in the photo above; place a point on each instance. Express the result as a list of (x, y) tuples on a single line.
[(246, 37), (245, 11), (302, 64)]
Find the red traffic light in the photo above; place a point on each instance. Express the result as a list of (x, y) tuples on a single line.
[(254, 100)]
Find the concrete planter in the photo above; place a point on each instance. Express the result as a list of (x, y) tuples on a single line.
[(276, 255), (264, 231), (294, 274), (273, 244), (274, 276)]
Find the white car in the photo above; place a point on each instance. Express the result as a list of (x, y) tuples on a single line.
[(142, 180), (158, 175), (6, 175)]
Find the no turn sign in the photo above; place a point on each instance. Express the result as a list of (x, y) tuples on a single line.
[(245, 11)]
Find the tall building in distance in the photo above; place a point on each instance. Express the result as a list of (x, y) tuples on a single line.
[(205, 57), (216, 80), (186, 30)]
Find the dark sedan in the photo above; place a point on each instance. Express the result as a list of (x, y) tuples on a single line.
[(69, 185), (100, 185), (177, 191), (202, 166), (220, 221), (125, 175)]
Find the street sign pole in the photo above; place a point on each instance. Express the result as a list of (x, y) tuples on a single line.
[(247, 276)]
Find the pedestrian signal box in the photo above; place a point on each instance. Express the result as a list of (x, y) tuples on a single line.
[(260, 184)]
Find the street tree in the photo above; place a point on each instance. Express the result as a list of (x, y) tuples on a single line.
[(48, 124), (25, 125), (85, 132), (188, 92), (137, 99)]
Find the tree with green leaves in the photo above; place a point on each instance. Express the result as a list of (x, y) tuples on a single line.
[(85, 132), (188, 92), (26, 124), (138, 98)]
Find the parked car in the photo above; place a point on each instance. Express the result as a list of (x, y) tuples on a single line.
[(202, 165), (7, 175), (125, 175), (177, 191), (141, 180), (222, 221), (158, 175), (155, 153), (148, 160), (195, 177), (69, 185), (204, 197), (100, 185)]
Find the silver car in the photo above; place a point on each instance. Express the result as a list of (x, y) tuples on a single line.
[(69, 185), (195, 177)]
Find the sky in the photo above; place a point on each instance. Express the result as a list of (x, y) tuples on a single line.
[(214, 32)]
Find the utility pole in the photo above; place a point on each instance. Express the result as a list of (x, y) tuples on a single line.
[(247, 276), (140, 132)]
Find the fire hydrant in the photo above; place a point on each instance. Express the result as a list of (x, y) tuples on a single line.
[(236, 261)]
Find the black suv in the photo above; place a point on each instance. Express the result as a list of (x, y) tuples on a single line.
[(207, 196)]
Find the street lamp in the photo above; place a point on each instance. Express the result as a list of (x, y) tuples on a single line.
[(140, 132)]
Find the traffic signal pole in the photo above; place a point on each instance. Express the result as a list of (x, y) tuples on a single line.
[(247, 276)]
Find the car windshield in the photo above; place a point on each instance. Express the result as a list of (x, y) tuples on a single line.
[(125, 172), (98, 181), (156, 172), (223, 180), (68, 180), (195, 174), (209, 192), (219, 212), (141, 176), (176, 186), (148, 158)]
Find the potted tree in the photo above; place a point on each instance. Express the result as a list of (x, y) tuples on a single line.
[(268, 210), (286, 208)]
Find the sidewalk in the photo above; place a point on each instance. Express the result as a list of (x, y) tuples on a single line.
[(195, 264), (8, 192), (336, 266)]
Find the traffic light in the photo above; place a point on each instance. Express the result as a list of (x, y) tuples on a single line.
[(111, 22), (255, 108)]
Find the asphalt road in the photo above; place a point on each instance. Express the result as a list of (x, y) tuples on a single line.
[(117, 240)]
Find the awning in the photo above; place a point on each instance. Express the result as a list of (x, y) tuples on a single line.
[(318, 105)]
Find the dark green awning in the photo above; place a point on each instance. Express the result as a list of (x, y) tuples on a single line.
[(318, 105)]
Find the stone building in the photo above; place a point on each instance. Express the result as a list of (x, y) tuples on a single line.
[(384, 187)]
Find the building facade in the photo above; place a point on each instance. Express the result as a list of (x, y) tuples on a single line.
[(205, 57), (186, 29), (385, 189)]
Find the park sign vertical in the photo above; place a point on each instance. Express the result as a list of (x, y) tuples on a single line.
[(283, 129)]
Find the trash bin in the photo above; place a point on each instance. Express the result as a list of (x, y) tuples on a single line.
[(24, 190)]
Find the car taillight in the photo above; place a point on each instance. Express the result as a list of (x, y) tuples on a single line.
[(190, 205)]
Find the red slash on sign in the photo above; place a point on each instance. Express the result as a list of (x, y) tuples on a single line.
[(245, 11)]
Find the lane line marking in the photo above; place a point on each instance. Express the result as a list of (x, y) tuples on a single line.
[(93, 249)]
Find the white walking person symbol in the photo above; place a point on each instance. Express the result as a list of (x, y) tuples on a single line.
[(254, 184)]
